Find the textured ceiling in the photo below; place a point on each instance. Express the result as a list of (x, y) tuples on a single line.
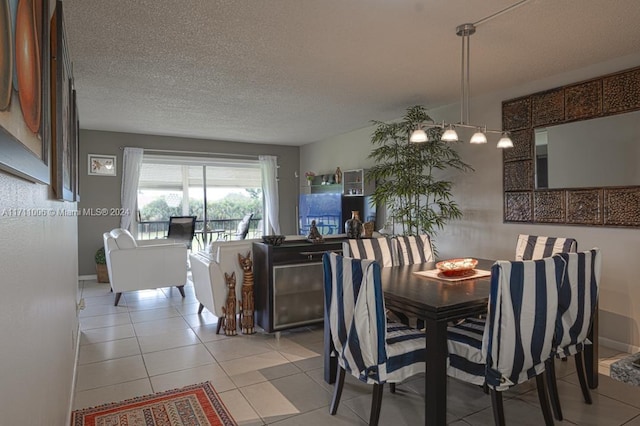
[(297, 71)]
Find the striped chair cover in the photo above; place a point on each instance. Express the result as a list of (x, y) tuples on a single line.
[(530, 247), (381, 249), (512, 345), (414, 249), (366, 345), (577, 301)]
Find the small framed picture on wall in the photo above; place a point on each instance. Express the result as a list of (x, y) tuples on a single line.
[(102, 165)]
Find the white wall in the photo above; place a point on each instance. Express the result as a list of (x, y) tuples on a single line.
[(482, 233), (38, 284)]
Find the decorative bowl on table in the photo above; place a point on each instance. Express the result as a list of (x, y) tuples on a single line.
[(457, 267), (274, 240)]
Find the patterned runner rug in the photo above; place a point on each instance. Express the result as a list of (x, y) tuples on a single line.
[(193, 405)]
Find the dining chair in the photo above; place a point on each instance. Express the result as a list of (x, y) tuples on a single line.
[(530, 247), (366, 344), (381, 249), (514, 342), (182, 228), (414, 249), (577, 303)]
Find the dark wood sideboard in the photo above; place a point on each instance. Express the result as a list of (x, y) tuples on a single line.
[(288, 283)]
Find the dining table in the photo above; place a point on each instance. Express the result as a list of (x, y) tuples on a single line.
[(438, 302)]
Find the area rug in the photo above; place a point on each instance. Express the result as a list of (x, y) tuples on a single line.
[(193, 405)]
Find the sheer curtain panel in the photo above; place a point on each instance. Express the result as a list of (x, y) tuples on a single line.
[(131, 164), (269, 169)]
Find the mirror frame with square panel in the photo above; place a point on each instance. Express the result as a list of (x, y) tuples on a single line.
[(612, 206)]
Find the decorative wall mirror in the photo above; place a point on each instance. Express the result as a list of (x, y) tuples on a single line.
[(608, 201)]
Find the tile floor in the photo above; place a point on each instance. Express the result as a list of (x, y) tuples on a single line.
[(155, 340)]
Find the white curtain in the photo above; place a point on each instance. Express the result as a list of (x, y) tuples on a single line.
[(269, 170), (131, 164)]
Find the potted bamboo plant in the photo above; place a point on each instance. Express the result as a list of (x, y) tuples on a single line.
[(101, 266), (418, 201)]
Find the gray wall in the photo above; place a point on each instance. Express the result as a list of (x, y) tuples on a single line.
[(104, 191), (482, 233), (38, 283)]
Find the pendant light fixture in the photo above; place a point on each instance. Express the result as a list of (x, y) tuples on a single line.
[(450, 134)]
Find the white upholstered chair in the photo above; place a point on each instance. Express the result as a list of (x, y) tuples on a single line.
[(143, 264), (208, 269)]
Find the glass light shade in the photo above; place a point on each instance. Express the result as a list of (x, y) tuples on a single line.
[(418, 135), (449, 135), (478, 137), (505, 141)]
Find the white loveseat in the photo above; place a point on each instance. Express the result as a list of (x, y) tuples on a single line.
[(208, 269), (143, 264)]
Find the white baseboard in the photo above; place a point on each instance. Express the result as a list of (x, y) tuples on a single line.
[(87, 277), (620, 346)]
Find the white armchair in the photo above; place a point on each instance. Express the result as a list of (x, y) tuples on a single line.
[(208, 269), (140, 265)]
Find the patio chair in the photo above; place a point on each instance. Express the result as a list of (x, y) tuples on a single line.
[(182, 228), (369, 347), (243, 227)]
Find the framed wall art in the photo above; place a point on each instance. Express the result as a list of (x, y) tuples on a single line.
[(102, 165), (63, 150), (24, 89)]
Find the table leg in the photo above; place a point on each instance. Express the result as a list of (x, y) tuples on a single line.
[(591, 353), (436, 377)]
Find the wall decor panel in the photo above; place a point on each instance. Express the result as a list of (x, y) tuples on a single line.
[(600, 206), (547, 108), (517, 207), (549, 206), (583, 100), (522, 146), (584, 207), (622, 206)]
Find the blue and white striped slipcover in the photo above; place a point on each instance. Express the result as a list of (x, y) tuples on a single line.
[(531, 247), (381, 249), (414, 249), (512, 344), (366, 345), (577, 301)]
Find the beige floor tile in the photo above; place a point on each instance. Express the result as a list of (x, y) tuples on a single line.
[(144, 304), (159, 326), (603, 411), (189, 308), (353, 388), (210, 372), (101, 300), (399, 409), (258, 362), (109, 350), (200, 319), (154, 314), (294, 351), (242, 412), (207, 333), (113, 393), (321, 417), (176, 359), (265, 374), (110, 372), (168, 340), (95, 290), (614, 389), (105, 334), (286, 397), (634, 422), (99, 310), (88, 323), (237, 347), (516, 412)]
